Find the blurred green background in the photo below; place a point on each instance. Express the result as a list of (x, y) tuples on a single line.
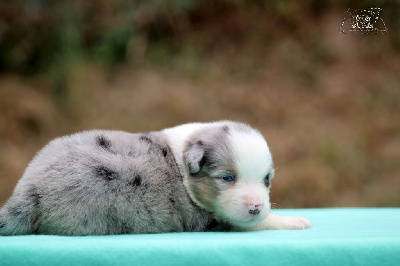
[(328, 103)]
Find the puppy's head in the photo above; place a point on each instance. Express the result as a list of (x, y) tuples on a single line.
[(229, 172)]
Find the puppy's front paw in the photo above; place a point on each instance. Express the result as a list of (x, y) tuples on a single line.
[(279, 222), (296, 223)]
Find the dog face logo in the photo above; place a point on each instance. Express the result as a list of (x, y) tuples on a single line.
[(363, 21)]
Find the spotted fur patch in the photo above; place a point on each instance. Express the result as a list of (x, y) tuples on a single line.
[(136, 181), (164, 151), (226, 129), (34, 195), (145, 138), (103, 142), (15, 211), (106, 173)]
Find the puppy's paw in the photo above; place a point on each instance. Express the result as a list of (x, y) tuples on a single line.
[(279, 222), (295, 223)]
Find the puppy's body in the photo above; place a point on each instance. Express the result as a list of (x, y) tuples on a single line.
[(194, 177)]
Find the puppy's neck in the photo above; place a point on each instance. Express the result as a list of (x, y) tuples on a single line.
[(177, 140)]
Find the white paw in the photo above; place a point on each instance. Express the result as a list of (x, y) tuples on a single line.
[(296, 223)]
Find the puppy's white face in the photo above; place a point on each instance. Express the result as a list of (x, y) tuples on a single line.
[(230, 168)]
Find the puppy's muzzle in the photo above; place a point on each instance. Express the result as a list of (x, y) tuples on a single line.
[(253, 204)]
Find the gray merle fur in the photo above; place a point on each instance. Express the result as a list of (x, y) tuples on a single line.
[(84, 190)]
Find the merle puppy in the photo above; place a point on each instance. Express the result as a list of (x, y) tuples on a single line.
[(193, 177)]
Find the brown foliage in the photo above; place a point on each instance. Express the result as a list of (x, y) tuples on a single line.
[(327, 103)]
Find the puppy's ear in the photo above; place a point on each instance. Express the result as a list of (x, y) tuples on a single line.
[(194, 157)]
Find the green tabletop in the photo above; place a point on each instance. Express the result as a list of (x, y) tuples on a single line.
[(342, 236)]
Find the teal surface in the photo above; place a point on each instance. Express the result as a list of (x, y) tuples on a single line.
[(339, 237)]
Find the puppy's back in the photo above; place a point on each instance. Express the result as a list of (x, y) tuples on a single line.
[(102, 182)]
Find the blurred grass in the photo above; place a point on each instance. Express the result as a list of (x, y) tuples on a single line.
[(328, 103)]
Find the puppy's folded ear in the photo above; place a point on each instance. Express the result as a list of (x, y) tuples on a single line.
[(194, 157)]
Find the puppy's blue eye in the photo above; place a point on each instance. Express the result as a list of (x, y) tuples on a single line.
[(228, 178)]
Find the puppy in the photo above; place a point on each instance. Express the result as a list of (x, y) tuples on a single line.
[(193, 177)]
